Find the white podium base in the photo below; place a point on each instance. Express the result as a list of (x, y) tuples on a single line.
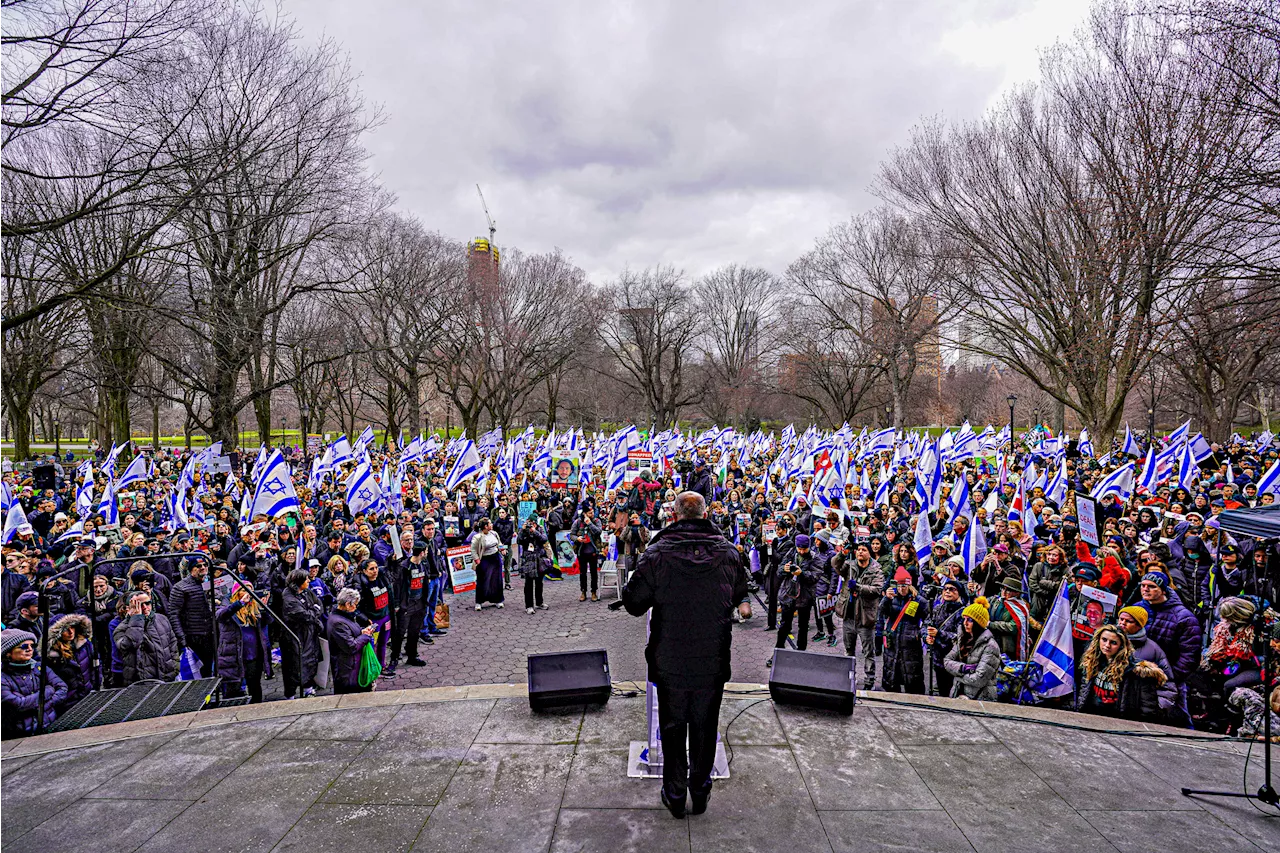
[(637, 769)]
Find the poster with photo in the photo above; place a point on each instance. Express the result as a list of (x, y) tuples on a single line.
[(769, 531), (565, 471), (1094, 608), (566, 559), (450, 526), (637, 461), (462, 571)]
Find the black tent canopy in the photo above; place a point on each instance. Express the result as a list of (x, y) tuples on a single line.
[(1261, 522)]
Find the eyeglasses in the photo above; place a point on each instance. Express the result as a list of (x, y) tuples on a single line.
[(27, 646)]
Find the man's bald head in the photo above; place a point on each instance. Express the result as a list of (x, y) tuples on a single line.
[(689, 506)]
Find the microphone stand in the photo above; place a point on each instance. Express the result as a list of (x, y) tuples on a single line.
[(1267, 792)]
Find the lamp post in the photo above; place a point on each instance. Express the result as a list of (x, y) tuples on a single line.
[(282, 432), (1151, 427), (57, 437), (305, 411), (1012, 399), (888, 414)]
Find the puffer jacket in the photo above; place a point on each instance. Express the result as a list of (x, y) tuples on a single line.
[(20, 699), (1145, 650), (1177, 631), (189, 610), (692, 578), (984, 657), (346, 644), (231, 651), (148, 648), (534, 559), (798, 590)]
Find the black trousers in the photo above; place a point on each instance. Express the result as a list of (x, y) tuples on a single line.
[(405, 629), (589, 562), (533, 591), (203, 647), (691, 714), (772, 582), (789, 612), (252, 679)]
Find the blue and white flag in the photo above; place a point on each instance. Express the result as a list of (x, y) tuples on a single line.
[(1180, 434), (1085, 446), (6, 497), (924, 538), (107, 507), (73, 533), (1150, 472), (1119, 483), (1130, 447), (1055, 652), (974, 548), (1270, 481), (1200, 449), (958, 502), (466, 465), (340, 452), (1187, 468), (363, 492), (135, 473), (16, 518), (274, 494), (1057, 489)]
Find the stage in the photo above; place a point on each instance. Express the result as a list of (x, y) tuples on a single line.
[(471, 769)]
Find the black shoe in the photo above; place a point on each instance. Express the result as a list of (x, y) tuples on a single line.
[(417, 662), (676, 809), (698, 802), (427, 639), (768, 664), (439, 632), (773, 628), (388, 674)]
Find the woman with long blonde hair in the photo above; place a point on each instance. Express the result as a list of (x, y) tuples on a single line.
[(1106, 681), (244, 644)]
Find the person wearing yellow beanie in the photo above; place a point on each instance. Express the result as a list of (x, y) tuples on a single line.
[(1137, 614), (974, 660), (978, 611)]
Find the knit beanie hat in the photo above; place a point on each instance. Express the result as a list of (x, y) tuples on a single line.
[(11, 638), (978, 611), (902, 575), (1160, 579), (1138, 614)]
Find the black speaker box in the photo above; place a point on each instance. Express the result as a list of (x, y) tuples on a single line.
[(559, 679), (812, 680), (44, 477)]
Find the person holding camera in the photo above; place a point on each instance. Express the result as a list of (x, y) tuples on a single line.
[(535, 558), (632, 538), (799, 582), (588, 543), (781, 551)]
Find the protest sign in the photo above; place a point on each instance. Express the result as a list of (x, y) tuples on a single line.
[(564, 472), (637, 461), (1087, 514), (524, 511), (566, 559), (462, 573), (1094, 608)]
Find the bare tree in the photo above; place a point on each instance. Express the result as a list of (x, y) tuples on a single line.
[(742, 307), (649, 327)]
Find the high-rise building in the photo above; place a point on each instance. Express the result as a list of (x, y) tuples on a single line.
[(482, 269)]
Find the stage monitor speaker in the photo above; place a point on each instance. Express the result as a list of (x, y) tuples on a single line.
[(44, 477), (812, 680), (560, 679)]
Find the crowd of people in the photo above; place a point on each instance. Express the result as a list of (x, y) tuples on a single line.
[(944, 562)]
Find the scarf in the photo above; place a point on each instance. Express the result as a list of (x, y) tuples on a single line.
[(1138, 637)]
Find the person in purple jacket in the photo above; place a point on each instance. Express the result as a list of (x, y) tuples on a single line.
[(349, 631), (1175, 629)]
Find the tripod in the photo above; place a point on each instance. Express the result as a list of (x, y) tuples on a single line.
[(1267, 793)]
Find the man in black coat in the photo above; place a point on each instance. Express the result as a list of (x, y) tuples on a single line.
[(692, 578)]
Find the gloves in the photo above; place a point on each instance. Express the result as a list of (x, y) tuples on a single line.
[(968, 668)]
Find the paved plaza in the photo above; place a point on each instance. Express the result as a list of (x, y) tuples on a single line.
[(491, 647), (394, 771)]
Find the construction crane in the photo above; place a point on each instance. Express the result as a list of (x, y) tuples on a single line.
[(493, 226)]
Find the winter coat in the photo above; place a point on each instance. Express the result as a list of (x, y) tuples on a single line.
[(230, 657), (798, 590), (985, 658), (20, 699), (1044, 581), (376, 597), (303, 614), (534, 556), (1177, 631), (12, 585), (346, 644), (76, 671), (868, 582), (1137, 697), (189, 610), (828, 578), (592, 532), (1147, 650), (904, 648), (148, 648), (692, 578)]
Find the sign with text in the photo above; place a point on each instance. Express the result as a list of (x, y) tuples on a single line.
[(1087, 513), (462, 572)]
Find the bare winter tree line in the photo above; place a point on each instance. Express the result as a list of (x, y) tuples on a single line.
[(191, 235)]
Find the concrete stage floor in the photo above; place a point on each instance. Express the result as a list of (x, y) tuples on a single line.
[(471, 769)]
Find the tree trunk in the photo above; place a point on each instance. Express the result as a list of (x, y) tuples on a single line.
[(21, 435), (118, 416), (262, 413), (155, 424)]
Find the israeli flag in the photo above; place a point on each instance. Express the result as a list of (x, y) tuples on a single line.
[(466, 465), (84, 494), (958, 504), (1200, 449), (974, 548), (924, 538), (340, 452), (1057, 490), (107, 507), (1119, 483), (175, 505), (1148, 480), (1270, 481), (1180, 434), (274, 494), (795, 498), (363, 492), (74, 532), (1055, 652), (1130, 447), (1187, 468), (882, 490), (6, 497), (135, 473), (364, 439), (15, 519), (1085, 446)]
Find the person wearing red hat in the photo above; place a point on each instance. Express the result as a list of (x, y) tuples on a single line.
[(903, 612)]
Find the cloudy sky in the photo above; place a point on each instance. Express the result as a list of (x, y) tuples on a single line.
[(689, 133)]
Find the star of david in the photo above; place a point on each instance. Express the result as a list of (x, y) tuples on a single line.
[(364, 494), (273, 487)]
